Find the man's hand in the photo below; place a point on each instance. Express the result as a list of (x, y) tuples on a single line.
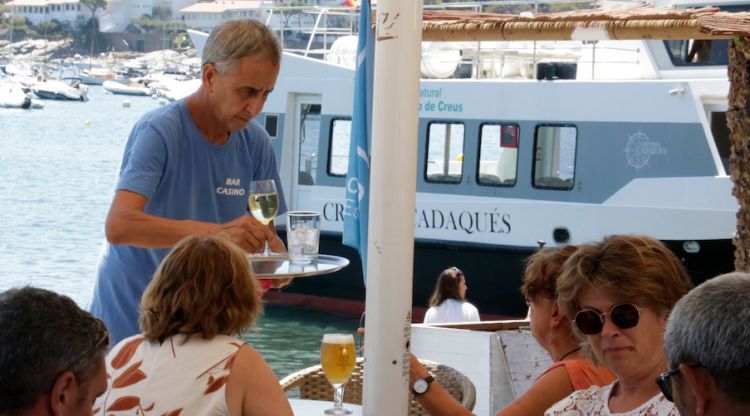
[(248, 233)]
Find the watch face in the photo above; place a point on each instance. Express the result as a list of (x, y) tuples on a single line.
[(420, 386)]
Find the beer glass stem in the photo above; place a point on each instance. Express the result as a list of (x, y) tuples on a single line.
[(338, 401)]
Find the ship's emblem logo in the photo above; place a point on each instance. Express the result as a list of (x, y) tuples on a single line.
[(640, 148)]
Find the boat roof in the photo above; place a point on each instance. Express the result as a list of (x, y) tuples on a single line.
[(617, 22)]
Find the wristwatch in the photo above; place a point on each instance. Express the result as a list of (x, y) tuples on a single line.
[(421, 384)]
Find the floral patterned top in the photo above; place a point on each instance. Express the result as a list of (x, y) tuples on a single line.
[(168, 379), (595, 401)]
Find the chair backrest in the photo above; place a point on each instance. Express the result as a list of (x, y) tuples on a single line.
[(313, 385)]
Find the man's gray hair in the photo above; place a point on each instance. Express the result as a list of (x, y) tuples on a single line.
[(44, 335), (237, 39), (710, 326)]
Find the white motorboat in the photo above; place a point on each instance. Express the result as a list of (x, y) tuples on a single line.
[(12, 95), (126, 89), (97, 76), (61, 90)]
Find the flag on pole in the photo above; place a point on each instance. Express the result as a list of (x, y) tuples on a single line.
[(358, 176)]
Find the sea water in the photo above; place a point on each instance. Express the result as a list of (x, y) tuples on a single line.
[(58, 167)]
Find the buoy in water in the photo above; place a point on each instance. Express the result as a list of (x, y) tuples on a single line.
[(126, 104)]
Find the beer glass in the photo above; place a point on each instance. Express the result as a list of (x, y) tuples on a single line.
[(337, 357)]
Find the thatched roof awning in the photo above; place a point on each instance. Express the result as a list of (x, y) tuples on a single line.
[(627, 22)]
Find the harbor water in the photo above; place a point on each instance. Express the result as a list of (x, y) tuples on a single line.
[(58, 167)]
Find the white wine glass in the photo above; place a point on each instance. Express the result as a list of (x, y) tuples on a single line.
[(263, 203), (338, 357)]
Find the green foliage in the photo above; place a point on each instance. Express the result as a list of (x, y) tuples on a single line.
[(182, 40), (152, 25), (94, 5), (161, 12), (21, 29), (53, 30)]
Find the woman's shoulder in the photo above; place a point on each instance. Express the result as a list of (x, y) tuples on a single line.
[(584, 373)]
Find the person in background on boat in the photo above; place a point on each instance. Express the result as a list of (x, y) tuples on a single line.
[(448, 301), (619, 293), (51, 354), (187, 168), (708, 348), (188, 359), (552, 330)]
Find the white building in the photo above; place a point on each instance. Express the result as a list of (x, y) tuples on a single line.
[(205, 15), (120, 13), (196, 15), (36, 11)]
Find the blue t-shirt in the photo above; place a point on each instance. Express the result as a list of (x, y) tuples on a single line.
[(184, 177)]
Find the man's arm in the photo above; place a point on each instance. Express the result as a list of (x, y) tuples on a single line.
[(128, 223)]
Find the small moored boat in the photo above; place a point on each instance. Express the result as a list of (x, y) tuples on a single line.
[(117, 88), (61, 90)]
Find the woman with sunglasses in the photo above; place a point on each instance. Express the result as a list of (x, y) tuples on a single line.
[(619, 293), (448, 301), (571, 370)]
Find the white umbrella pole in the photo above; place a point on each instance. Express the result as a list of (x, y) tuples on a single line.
[(392, 200)]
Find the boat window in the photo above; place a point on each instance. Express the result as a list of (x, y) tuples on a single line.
[(308, 143), (445, 147), (720, 132), (271, 124), (498, 154), (338, 159), (555, 155), (697, 52)]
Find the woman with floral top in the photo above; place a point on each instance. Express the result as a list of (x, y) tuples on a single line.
[(619, 293), (189, 359)]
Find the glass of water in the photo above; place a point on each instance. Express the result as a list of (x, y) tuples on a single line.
[(303, 235)]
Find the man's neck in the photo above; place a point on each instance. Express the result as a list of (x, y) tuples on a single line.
[(197, 104)]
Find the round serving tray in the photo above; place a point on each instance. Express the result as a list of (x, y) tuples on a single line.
[(280, 267)]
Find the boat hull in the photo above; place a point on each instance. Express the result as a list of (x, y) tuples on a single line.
[(493, 273)]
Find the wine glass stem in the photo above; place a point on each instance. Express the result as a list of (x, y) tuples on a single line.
[(266, 248)]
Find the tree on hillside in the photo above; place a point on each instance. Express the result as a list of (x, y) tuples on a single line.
[(161, 12), (94, 5)]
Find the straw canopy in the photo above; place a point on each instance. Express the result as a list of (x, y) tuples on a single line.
[(622, 22)]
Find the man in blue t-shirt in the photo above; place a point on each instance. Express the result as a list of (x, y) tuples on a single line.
[(187, 169)]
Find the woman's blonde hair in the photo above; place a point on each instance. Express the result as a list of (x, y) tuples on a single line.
[(635, 268), (204, 286)]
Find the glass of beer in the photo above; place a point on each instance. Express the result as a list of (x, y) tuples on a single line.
[(337, 357)]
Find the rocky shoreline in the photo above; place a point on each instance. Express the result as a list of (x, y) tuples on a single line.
[(35, 51)]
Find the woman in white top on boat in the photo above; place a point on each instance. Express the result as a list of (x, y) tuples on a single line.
[(448, 301)]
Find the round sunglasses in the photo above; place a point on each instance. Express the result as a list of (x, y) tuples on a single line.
[(590, 322)]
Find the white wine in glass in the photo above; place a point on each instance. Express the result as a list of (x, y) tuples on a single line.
[(338, 357), (263, 202)]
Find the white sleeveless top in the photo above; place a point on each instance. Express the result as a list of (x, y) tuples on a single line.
[(452, 310), (595, 401), (171, 378)]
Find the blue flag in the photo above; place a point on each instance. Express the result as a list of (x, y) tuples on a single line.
[(358, 177)]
